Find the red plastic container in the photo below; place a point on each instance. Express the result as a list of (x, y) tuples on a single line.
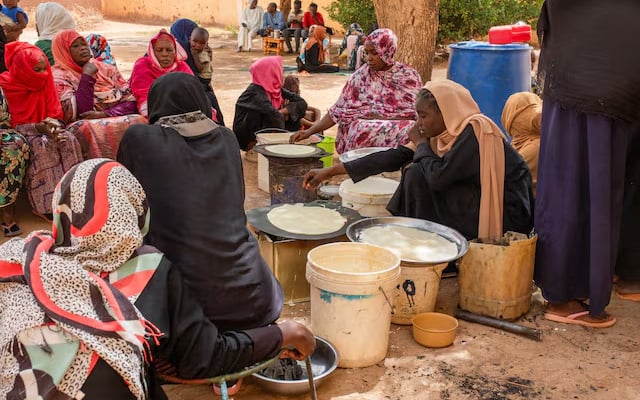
[(505, 34)]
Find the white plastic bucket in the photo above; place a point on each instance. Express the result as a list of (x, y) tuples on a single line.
[(351, 284), (263, 162), (417, 291), (368, 197)]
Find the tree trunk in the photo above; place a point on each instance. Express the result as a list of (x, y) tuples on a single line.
[(285, 8), (416, 25)]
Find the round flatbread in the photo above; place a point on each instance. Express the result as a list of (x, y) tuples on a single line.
[(291, 149), (373, 185), (296, 218), (412, 244)]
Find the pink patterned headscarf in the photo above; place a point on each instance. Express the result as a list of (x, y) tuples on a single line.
[(267, 72), (385, 43)]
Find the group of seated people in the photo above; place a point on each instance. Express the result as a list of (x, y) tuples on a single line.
[(64, 100)]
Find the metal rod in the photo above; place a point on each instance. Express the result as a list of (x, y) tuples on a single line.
[(531, 333), (312, 384)]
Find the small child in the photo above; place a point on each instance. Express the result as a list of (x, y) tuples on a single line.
[(201, 51), (18, 16), (292, 84)]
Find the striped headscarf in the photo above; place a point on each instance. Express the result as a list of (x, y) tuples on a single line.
[(66, 278)]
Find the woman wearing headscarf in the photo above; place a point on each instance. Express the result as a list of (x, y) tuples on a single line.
[(14, 154), (93, 93), (262, 105), (164, 55), (350, 45), (521, 118), (100, 48), (182, 30), (51, 18), (591, 115), (314, 58), (37, 114), (461, 171), (376, 106), (198, 217), (86, 307)]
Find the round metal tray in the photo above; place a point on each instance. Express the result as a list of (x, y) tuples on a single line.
[(353, 232), (359, 153), (258, 218)]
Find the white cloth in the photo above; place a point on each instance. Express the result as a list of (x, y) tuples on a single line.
[(253, 19), (52, 18)]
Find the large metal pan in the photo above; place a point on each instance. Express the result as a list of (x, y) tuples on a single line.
[(354, 230), (258, 218)]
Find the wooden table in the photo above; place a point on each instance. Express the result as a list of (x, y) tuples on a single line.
[(272, 45)]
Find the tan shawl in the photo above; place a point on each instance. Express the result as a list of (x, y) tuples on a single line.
[(521, 118), (459, 110)]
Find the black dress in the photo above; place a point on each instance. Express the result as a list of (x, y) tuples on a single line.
[(313, 64), (446, 189), (254, 111), (206, 84), (190, 341), (195, 188)]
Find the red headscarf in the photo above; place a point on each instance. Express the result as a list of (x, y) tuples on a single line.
[(267, 73), (147, 69), (60, 47), (31, 95)]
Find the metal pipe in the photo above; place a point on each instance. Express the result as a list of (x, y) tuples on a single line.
[(531, 333)]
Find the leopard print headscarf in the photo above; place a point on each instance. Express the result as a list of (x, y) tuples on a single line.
[(100, 218)]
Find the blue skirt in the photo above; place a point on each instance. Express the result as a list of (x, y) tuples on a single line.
[(579, 204)]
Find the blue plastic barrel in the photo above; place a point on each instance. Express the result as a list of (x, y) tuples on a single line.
[(491, 72)]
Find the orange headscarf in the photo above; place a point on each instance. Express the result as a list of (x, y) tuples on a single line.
[(31, 95), (60, 47), (459, 110), (319, 33), (521, 118)]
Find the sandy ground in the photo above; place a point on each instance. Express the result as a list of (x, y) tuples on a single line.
[(571, 362)]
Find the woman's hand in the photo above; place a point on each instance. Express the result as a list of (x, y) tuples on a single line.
[(302, 134), (416, 135), (315, 177), (48, 127), (90, 69), (297, 341), (92, 114)]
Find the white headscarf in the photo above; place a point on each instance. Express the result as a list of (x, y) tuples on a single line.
[(52, 18)]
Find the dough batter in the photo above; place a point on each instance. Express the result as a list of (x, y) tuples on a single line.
[(296, 218), (412, 244), (290, 149)]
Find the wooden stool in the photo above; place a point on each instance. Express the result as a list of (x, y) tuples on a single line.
[(272, 45)]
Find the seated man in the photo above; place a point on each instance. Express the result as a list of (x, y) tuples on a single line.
[(250, 23), (294, 28), (312, 17), (271, 21)]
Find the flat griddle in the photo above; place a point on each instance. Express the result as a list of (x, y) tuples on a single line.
[(317, 153), (258, 218)]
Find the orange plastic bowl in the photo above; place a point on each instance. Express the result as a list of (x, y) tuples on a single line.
[(434, 329)]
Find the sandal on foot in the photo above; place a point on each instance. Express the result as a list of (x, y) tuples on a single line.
[(11, 230), (232, 387), (625, 296), (574, 319)]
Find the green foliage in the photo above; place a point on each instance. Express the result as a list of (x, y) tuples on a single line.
[(459, 19), (347, 12), (467, 19)]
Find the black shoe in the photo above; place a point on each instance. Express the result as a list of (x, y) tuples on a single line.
[(300, 64)]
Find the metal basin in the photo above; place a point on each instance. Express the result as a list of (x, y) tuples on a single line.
[(324, 361), (358, 153), (353, 233)]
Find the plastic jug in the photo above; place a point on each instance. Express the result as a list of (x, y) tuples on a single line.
[(505, 34)]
